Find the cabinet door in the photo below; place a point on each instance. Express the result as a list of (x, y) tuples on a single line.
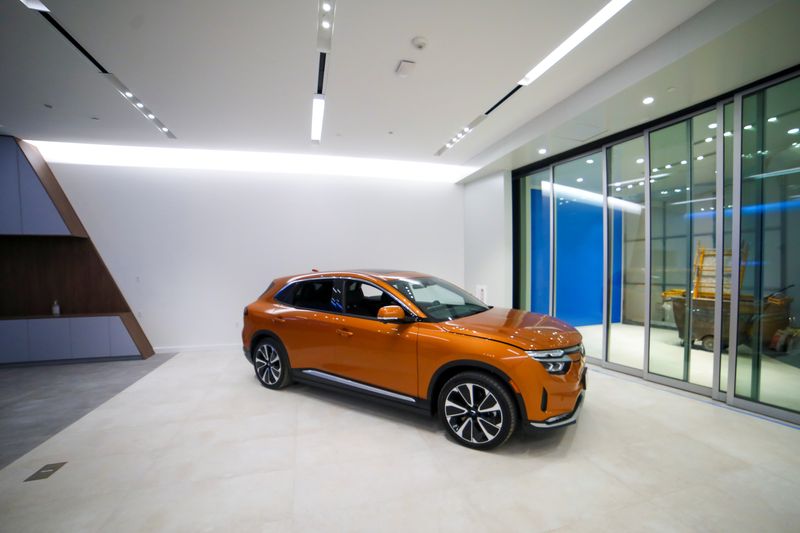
[(13, 341), (48, 338), (89, 336), (39, 214), (10, 215)]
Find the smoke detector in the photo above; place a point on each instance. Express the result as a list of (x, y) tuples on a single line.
[(419, 42)]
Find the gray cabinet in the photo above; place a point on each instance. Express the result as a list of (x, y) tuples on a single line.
[(57, 338), (25, 206)]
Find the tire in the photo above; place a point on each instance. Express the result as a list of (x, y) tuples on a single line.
[(708, 343), (477, 410), (271, 364)]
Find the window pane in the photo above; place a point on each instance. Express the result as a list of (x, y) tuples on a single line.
[(768, 355), (318, 294), (626, 242), (535, 233), (578, 191), (363, 299)]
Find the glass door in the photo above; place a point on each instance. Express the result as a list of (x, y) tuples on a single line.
[(578, 197), (683, 260)]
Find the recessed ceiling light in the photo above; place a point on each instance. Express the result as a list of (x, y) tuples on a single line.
[(139, 105), (542, 151), (449, 145), (727, 134), (640, 160), (699, 157), (129, 94), (326, 7), (772, 119), (648, 100), (655, 169), (683, 162), (630, 185), (709, 139), (702, 209), (164, 129), (579, 180), (749, 127), (793, 131), (677, 190), (664, 192), (712, 125), (652, 180), (619, 188), (326, 24), (589, 27), (641, 184), (589, 161), (667, 166), (465, 130), (687, 188), (151, 116)]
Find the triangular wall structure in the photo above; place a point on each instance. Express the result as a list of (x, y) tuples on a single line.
[(47, 255)]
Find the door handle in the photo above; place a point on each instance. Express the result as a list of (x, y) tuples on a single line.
[(344, 332), (278, 320)]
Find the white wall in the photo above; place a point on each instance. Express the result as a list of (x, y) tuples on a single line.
[(190, 249), (488, 252)]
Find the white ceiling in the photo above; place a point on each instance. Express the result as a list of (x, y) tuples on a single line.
[(240, 75)]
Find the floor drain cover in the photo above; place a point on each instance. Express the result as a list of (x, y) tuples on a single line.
[(46, 471)]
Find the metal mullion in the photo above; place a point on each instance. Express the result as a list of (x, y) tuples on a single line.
[(552, 295), (648, 280), (688, 323), (719, 232), (606, 285), (736, 235)]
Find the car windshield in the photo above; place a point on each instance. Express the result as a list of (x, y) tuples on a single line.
[(437, 298)]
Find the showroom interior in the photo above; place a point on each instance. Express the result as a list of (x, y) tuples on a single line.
[(631, 167)]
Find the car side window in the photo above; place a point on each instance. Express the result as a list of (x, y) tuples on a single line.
[(363, 299), (319, 294)]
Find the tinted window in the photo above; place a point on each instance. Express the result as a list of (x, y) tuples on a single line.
[(439, 299), (286, 294), (363, 299), (317, 294)]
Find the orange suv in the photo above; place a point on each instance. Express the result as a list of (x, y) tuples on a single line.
[(416, 340)]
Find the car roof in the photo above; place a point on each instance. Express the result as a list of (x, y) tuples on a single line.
[(379, 273)]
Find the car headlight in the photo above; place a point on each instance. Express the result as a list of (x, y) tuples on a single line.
[(554, 361)]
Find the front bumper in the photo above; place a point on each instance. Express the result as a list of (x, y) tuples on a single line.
[(247, 354), (563, 419)]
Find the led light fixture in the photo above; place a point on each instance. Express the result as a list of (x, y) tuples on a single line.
[(600, 18), (317, 115)]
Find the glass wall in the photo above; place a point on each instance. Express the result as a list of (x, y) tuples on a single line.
[(635, 243), (578, 190), (627, 297), (768, 353)]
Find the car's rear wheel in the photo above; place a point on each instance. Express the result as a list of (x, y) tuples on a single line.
[(477, 410), (271, 364)]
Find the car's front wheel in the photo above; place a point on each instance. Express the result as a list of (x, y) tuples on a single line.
[(271, 364), (477, 410)]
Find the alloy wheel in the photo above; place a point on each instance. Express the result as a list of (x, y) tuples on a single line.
[(268, 364), (474, 413)]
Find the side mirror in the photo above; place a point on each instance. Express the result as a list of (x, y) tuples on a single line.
[(391, 313)]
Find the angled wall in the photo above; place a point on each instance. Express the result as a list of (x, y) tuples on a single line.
[(46, 256)]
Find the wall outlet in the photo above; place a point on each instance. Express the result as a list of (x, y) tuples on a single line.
[(480, 292)]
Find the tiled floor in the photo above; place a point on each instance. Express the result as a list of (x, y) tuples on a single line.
[(199, 445), (36, 402)]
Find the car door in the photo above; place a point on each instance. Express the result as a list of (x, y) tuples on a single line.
[(374, 352), (307, 322)]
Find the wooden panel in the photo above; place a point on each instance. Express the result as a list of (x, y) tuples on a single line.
[(53, 189), (37, 270), (137, 334)]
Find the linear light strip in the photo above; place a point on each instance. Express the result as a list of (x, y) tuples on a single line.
[(580, 35), (138, 105), (252, 162)]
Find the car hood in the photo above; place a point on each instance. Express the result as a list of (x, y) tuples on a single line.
[(529, 331)]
